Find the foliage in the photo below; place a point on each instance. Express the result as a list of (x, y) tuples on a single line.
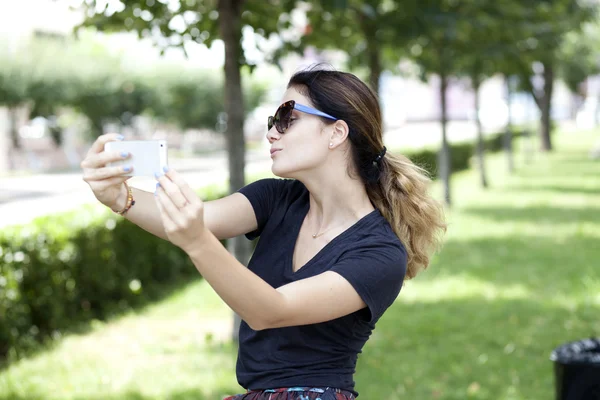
[(83, 265), (579, 55), (460, 154), (102, 87), (193, 99), (14, 82), (174, 24)]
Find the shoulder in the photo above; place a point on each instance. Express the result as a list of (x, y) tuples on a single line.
[(274, 185), (375, 246), (376, 237), (374, 262)]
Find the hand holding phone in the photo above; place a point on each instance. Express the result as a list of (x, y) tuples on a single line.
[(147, 157)]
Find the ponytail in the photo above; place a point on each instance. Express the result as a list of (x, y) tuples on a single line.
[(401, 195)]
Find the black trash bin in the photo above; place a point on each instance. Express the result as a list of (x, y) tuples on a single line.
[(577, 370)]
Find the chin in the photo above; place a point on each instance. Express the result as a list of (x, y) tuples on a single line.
[(282, 171)]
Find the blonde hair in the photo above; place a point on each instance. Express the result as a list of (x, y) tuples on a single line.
[(394, 184)]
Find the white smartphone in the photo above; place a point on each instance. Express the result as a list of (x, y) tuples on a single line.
[(147, 157)]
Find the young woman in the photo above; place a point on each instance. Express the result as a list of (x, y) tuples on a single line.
[(338, 236)]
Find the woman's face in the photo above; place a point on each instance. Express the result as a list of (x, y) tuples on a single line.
[(304, 145)]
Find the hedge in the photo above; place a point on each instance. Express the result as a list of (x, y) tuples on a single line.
[(66, 269), (460, 153)]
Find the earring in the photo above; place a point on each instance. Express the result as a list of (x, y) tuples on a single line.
[(330, 144)]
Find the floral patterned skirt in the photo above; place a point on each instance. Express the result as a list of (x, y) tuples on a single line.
[(295, 393)]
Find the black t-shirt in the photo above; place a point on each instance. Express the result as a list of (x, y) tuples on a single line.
[(368, 254)]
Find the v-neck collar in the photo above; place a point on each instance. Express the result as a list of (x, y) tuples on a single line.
[(301, 216)]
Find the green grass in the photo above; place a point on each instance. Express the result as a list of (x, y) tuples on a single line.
[(518, 276)]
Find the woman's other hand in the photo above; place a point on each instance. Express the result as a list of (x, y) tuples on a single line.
[(181, 210), (106, 182)]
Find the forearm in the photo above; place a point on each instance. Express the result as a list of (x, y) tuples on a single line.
[(144, 213), (253, 299)]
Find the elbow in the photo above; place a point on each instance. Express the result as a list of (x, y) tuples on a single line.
[(264, 322), (276, 316), (268, 320), (257, 325)]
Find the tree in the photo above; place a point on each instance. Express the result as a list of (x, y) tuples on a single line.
[(202, 21), (483, 54), (14, 84), (540, 30), (435, 51), (580, 57), (373, 33)]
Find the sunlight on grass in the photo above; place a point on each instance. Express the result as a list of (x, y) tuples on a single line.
[(518, 276), (178, 344), (458, 287)]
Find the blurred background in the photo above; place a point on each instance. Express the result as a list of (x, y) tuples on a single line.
[(498, 100)]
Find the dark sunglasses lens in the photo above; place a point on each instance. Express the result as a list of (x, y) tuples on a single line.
[(283, 116), (270, 123)]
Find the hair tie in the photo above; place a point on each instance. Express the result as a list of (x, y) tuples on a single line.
[(380, 155)]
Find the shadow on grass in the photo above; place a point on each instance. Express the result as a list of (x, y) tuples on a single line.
[(557, 189), (469, 347), (156, 294), (544, 265), (537, 214), (563, 168)]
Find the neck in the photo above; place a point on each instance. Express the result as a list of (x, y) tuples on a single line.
[(336, 200)]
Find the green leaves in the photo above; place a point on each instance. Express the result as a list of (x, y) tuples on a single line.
[(100, 86)]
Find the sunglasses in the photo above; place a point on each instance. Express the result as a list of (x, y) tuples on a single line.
[(283, 115)]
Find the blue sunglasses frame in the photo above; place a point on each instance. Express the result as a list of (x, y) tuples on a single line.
[(283, 115)]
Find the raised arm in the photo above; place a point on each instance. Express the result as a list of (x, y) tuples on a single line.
[(228, 217)]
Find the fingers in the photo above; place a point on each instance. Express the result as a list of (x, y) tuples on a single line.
[(168, 223), (98, 160), (98, 145), (183, 186), (173, 190), (170, 210), (105, 183), (106, 173)]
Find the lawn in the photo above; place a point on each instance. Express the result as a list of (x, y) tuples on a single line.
[(519, 275)]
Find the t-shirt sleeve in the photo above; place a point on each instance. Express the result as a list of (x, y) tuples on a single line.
[(264, 195), (376, 274)]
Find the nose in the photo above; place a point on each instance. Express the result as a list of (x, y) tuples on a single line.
[(273, 135)]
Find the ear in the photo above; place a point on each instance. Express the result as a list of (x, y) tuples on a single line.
[(339, 133)]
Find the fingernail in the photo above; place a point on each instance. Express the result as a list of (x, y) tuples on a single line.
[(124, 154), (127, 168), (166, 169), (120, 137), (157, 175), (157, 185)]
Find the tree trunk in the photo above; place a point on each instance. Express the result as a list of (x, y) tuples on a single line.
[(480, 144), (374, 66), (444, 166), (13, 128), (508, 148), (369, 30), (545, 108), (230, 12)]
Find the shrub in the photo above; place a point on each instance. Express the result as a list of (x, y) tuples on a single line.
[(64, 269), (460, 153)]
